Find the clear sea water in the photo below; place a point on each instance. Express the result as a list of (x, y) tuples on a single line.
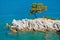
[(19, 9)]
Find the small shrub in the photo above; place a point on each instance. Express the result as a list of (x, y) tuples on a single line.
[(50, 18)]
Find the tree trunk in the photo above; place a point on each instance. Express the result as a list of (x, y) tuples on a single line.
[(35, 15), (42, 15)]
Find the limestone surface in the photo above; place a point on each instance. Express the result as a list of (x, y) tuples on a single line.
[(39, 24)]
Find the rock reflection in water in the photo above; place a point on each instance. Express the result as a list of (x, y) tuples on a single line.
[(46, 37), (58, 33)]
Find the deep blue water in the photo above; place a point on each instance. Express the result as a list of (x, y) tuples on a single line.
[(19, 9)]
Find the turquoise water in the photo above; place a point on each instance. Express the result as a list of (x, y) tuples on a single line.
[(19, 9), (28, 36)]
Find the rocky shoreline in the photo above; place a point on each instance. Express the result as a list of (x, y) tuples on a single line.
[(39, 24)]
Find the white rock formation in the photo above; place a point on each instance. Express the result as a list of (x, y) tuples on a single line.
[(36, 24)]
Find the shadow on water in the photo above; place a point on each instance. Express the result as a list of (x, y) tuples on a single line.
[(58, 32)]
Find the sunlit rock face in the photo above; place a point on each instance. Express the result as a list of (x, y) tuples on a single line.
[(39, 24)]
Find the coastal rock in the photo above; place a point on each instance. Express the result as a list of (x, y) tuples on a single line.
[(7, 25), (13, 30), (40, 24)]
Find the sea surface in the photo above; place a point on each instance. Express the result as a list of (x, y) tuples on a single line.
[(20, 9)]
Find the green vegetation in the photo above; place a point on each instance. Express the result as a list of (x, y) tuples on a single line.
[(50, 18), (37, 8)]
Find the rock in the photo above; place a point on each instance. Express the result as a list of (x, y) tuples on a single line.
[(40, 24), (43, 30), (13, 30), (51, 30), (7, 25), (58, 31), (25, 29)]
